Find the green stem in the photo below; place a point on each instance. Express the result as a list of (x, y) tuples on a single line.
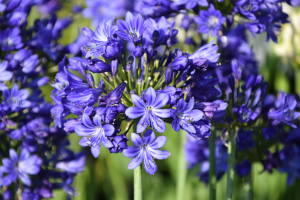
[(181, 167), (250, 183), (212, 166), (231, 162), (138, 189)]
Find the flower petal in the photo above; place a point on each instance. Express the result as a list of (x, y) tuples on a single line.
[(134, 112), (138, 101), (108, 129), (134, 163), (87, 121), (159, 142), (81, 130), (175, 125), (163, 113), (148, 137), (157, 123), (106, 143), (143, 123), (95, 150), (150, 96), (13, 155), (194, 115), (161, 100), (160, 154), (149, 164), (25, 179), (136, 139), (84, 142), (131, 152)]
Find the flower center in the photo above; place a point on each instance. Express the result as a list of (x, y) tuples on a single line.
[(213, 21)]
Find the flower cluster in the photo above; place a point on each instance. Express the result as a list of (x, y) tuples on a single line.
[(145, 91), (35, 159)]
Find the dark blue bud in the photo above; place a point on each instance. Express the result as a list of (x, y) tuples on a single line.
[(264, 87), (150, 53), (235, 69), (138, 52), (100, 67), (114, 67), (259, 79), (11, 5), (80, 68), (249, 82), (130, 59), (121, 108), (180, 63), (115, 96), (168, 75), (112, 52), (90, 80), (155, 35), (231, 81), (21, 55)]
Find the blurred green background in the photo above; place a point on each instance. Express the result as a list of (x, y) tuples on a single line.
[(108, 177)]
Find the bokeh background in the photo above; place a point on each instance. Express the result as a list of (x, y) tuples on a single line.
[(107, 178)]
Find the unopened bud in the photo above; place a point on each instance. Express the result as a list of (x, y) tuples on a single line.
[(90, 80)]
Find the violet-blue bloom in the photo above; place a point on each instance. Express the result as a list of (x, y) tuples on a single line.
[(210, 20), (20, 166), (16, 98), (150, 111), (184, 116), (190, 4), (94, 133), (5, 75), (146, 149), (133, 28)]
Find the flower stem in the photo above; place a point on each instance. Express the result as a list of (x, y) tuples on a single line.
[(138, 189), (181, 167), (212, 166), (231, 161)]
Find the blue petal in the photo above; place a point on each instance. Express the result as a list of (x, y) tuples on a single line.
[(163, 113), (138, 101), (81, 130), (161, 100), (87, 121), (160, 154), (159, 142), (97, 120), (108, 129), (106, 143), (150, 96), (134, 112), (13, 155), (149, 164), (188, 127), (136, 139), (175, 125), (148, 137), (194, 115), (95, 150), (157, 123), (143, 123), (131, 152), (10, 178), (25, 179), (135, 162), (5, 76), (84, 142), (190, 105)]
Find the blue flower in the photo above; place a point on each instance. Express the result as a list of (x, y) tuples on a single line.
[(190, 4), (20, 167), (150, 111), (146, 149), (210, 20), (10, 39), (184, 116), (5, 75), (16, 98), (133, 28), (94, 133)]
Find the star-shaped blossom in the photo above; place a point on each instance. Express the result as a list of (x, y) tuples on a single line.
[(210, 20), (146, 149), (94, 133), (133, 28), (16, 98), (20, 166), (150, 111), (184, 115)]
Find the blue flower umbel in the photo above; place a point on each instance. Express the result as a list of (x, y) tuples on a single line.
[(20, 166), (94, 133), (133, 28), (146, 149), (210, 20), (150, 111)]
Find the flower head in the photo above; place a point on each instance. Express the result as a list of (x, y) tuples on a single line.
[(150, 111), (16, 98), (94, 133), (210, 20), (146, 149)]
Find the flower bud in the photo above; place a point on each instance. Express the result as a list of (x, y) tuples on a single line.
[(155, 35), (90, 80), (81, 69), (114, 67), (168, 75), (132, 92), (130, 59), (138, 52), (231, 82), (180, 63), (121, 108), (100, 67), (249, 82), (113, 52)]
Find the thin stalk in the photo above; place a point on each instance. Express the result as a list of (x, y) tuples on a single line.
[(231, 162), (212, 166), (138, 188), (250, 183), (181, 167)]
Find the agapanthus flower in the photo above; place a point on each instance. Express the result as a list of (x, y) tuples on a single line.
[(20, 166), (94, 133), (210, 20), (133, 28), (150, 111), (10, 39), (184, 116), (146, 149), (5, 75), (16, 98)]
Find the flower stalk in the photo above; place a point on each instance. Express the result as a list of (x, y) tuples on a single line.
[(231, 162), (181, 167), (138, 187), (212, 166)]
